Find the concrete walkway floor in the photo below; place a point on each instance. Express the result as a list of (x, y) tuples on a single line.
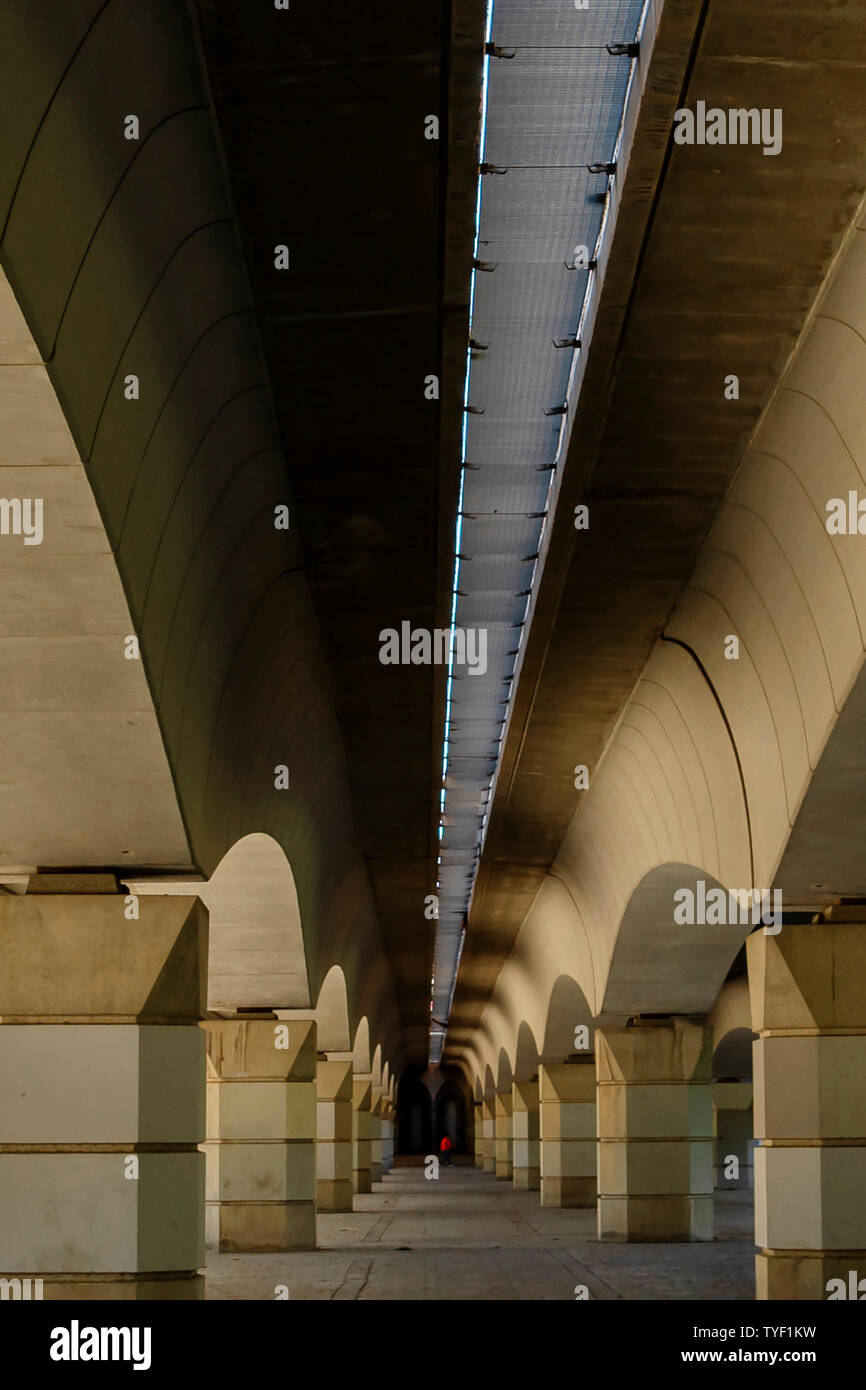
[(466, 1236)]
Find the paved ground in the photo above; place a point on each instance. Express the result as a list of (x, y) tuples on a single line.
[(468, 1236)]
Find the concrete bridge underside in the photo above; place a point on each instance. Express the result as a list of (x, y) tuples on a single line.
[(230, 263)]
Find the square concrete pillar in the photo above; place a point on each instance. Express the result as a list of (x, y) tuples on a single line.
[(503, 1138), (375, 1136), (102, 1090), (808, 994), (488, 1127), (734, 1128), (387, 1136), (333, 1135), (567, 1144), (362, 1096), (261, 1125), (525, 1132), (478, 1127), (655, 1132)]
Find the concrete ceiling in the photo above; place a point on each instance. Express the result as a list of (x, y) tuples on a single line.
[(718, 255)]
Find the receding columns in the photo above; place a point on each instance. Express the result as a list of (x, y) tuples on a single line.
[(655, 1132), (375, 1135), (333, 1134), (478, 1132), (808, 996), (525, 1131), (733, 1127), (102, 1069), (362, 1095), (488, 1125), (502, 1137), (261, 1126), (567, 1147), (387, 1135)]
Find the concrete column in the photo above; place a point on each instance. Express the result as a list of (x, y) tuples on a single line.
[(524, 1124), (376, 1136), (808, 997), (261, 1126), (488, 1126), (655, 1132), (733, 1127), (387, 1137), (567, 1147), (478, 1129), (333, 1135), (503, 1136), (362, 1089), (102, 1094)]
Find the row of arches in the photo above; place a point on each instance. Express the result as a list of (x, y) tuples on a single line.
[(257, 957), (721, 774)]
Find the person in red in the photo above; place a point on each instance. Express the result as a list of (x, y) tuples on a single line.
[(445, 1152)]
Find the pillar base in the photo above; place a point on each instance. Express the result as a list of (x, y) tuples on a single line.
[(527, 1179), (263, 1228), (489, 1165), (334, 1194), (568, 1192), (131, 1288), (657, 1218), (803, 1275), (504, 1171), (362, 1181), (375, 1172)]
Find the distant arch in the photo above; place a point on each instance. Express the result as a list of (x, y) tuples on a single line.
[(504, 1071), (566, 1009), (332, 1013), (256, 956), (526, 1054), (361, 1063)]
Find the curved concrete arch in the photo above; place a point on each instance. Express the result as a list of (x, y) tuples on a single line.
[(773, 575), (504, 1071), (332, 1013), (731, 1022), (662, 966), (137, 274), (87, 780), (525, 1054), (566, 1009), (256, 944), (742, 773), (361, 1061)]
